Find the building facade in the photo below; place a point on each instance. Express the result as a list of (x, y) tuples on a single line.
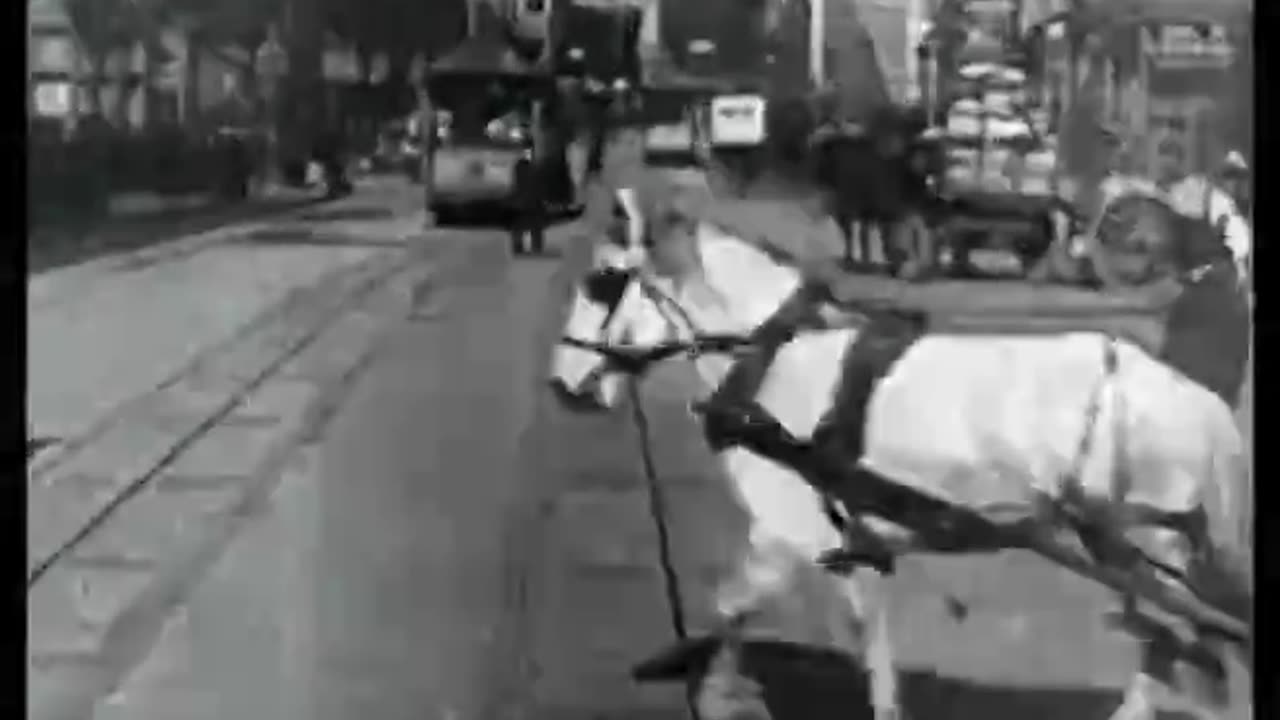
[(166, 79)]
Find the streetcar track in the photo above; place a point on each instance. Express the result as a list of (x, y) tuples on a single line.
[(658, 512), (131, 634), (100, 517), (42, 463)]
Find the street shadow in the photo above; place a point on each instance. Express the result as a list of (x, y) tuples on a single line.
[(357, 213), (299, 235), (800, 682), (36, 444), (547, 255), (490, 217), (71, 242)]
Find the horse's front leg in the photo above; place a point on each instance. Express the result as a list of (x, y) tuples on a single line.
[(765, 569), (788, 528), (866, 592)]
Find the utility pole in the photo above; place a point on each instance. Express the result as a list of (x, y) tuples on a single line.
[(915, 36), (473, 17), (818, 43)]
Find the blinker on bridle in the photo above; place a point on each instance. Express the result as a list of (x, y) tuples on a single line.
[(606, 286)]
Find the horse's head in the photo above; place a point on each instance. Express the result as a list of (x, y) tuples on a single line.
[(660, 285), (623, 306)]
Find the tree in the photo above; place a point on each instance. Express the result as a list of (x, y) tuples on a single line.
[(102, 27), (400, 28), (213, 25)]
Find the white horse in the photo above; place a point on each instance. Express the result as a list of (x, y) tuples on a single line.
[(974, 419)]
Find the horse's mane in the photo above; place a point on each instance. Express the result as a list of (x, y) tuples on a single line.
[(820, 280)]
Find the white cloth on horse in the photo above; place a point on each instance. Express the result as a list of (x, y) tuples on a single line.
[(1007, 416)]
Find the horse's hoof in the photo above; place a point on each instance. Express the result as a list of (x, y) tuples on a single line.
[(1133, 709), (730, 697), (957, 609)]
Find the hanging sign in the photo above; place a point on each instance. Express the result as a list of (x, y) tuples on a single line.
[(1189, 47), (737, 120)]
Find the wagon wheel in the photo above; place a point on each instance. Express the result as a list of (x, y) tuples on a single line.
[(1133, 242)]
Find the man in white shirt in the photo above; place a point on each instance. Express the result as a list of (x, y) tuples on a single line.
[(1207, 328), (1235, 181), (1195, 195)]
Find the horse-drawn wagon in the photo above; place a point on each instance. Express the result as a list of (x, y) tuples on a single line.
[(1069, 126), (998, 469), (1160, 76)]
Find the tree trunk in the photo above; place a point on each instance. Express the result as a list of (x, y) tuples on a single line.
[(117, 110), (304, 85), (364, 64), (190, 110), (249, 75), (148, 88), (93, 83), (427, 128)]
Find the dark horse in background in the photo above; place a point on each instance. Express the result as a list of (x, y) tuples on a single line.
[(878, 176)]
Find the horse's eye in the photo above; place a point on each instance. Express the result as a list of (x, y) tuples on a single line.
[(605, 286)]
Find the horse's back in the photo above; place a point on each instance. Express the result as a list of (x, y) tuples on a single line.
[(985, 419)]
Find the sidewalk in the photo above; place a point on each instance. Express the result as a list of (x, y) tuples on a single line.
[(111, 329), (137, 220)]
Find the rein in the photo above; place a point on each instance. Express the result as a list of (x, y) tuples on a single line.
[(635, 360), (792, 316)]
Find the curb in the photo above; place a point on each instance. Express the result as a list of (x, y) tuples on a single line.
[(74, 684), (48, 286)]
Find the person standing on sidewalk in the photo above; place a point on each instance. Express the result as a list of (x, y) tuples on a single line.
[(1196, 195), (1235, 182), (1208, 326), (528, 198)]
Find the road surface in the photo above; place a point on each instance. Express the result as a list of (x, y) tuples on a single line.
[(405, 565), (455, 546)]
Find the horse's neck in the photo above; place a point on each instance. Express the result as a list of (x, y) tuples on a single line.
[(750, 285), (738, 290), (801, 382)]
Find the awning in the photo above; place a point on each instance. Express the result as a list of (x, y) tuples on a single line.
[(1104, 13)]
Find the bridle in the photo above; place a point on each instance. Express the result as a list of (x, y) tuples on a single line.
[(635, 360)]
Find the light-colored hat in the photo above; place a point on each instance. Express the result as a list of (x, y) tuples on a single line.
[(1235, 162)]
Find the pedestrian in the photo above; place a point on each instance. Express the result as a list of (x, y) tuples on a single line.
[(527, 204), (1208, 326), (1234, 179), (1092, 181), (597, 107), (1196, 195)]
